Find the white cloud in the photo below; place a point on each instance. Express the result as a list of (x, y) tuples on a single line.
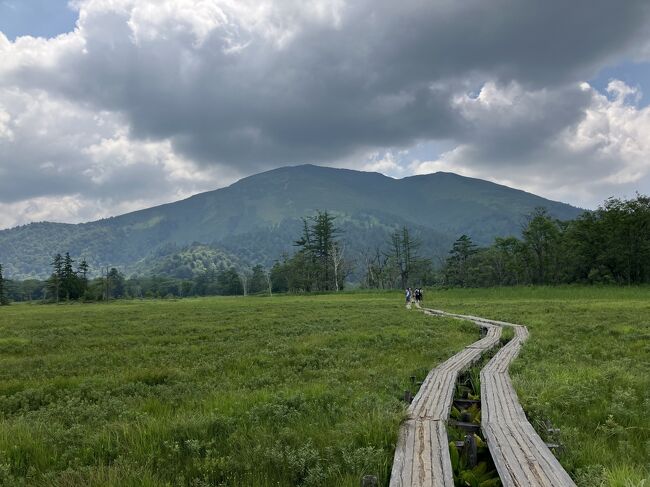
[(385, 163), (603, 152), (5, 131), (614, 131), (61, 161)]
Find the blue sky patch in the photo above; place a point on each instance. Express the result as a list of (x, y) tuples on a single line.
[(37, 18), (633, 74)]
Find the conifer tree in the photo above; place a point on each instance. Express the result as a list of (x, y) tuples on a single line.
[(258, 281), (56, 279), (313, 267), (324, 232), (68, 278), (404, 255), (457, 268), (82, 273), (114, 284)]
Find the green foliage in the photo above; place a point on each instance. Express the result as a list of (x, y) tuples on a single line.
[(398, 266), (507, 334), (187, 262), (213, 282), (208, 276), (482, 474), (318, 265), (65, 283), (4, 300), (28, 290), (610, 245), (457, 271), (542, 240), (222, 391), (613, 244), (471, 414), (259, 282)]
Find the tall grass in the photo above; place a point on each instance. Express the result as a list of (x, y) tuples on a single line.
[(302, 390), (216, 391)]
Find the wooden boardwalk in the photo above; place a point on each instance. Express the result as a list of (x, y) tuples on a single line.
[(422, 453), (520, 455)]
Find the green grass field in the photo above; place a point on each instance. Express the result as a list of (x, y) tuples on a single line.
[(301, 390), (221, 391)]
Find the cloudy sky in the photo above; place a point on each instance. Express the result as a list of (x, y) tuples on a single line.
[(107, 106)]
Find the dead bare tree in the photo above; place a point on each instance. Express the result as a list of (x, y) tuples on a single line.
[(243, 277), (337, 253), (269, 283)]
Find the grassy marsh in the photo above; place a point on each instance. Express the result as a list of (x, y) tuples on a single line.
[(217, 391), (302, 390)]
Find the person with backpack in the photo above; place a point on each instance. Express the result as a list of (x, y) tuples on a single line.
[(408, 298), (417, 297)]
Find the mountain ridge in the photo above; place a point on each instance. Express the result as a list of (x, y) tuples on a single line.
[(440, 206)]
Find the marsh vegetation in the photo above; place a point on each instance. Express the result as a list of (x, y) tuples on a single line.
[(302, 390), (214, 391)]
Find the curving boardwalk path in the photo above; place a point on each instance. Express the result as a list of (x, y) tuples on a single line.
[(520, 455), (422, 452)]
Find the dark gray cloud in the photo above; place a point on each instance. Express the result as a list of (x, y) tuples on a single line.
[(381, 74)]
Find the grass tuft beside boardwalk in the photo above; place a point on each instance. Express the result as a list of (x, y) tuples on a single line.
[(219, 391), (585, 367)]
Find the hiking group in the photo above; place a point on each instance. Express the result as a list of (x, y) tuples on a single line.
[(413, 295)]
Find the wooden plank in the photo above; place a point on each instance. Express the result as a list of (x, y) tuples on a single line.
[(520, 456), (501, 449), (403, 461), (422, 456), (466, 403), (422, 469)]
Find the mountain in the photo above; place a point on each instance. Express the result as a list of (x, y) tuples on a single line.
[(256, 219)]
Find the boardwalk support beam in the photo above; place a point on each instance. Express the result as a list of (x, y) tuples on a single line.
[(369, 481)]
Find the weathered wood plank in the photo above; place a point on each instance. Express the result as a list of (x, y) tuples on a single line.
[(521, 457)]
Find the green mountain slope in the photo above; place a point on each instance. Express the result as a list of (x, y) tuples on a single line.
[(185, 263), (256, 219)]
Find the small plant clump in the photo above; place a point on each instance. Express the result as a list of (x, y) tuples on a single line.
[(482, 474), (471, 414), (507, 334)]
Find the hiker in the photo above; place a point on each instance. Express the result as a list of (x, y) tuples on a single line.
[(417, 297), (408, 298)]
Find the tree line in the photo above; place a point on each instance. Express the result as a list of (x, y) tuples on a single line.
[(398, 264), (66, 285), (610, 245), (320, 263)]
